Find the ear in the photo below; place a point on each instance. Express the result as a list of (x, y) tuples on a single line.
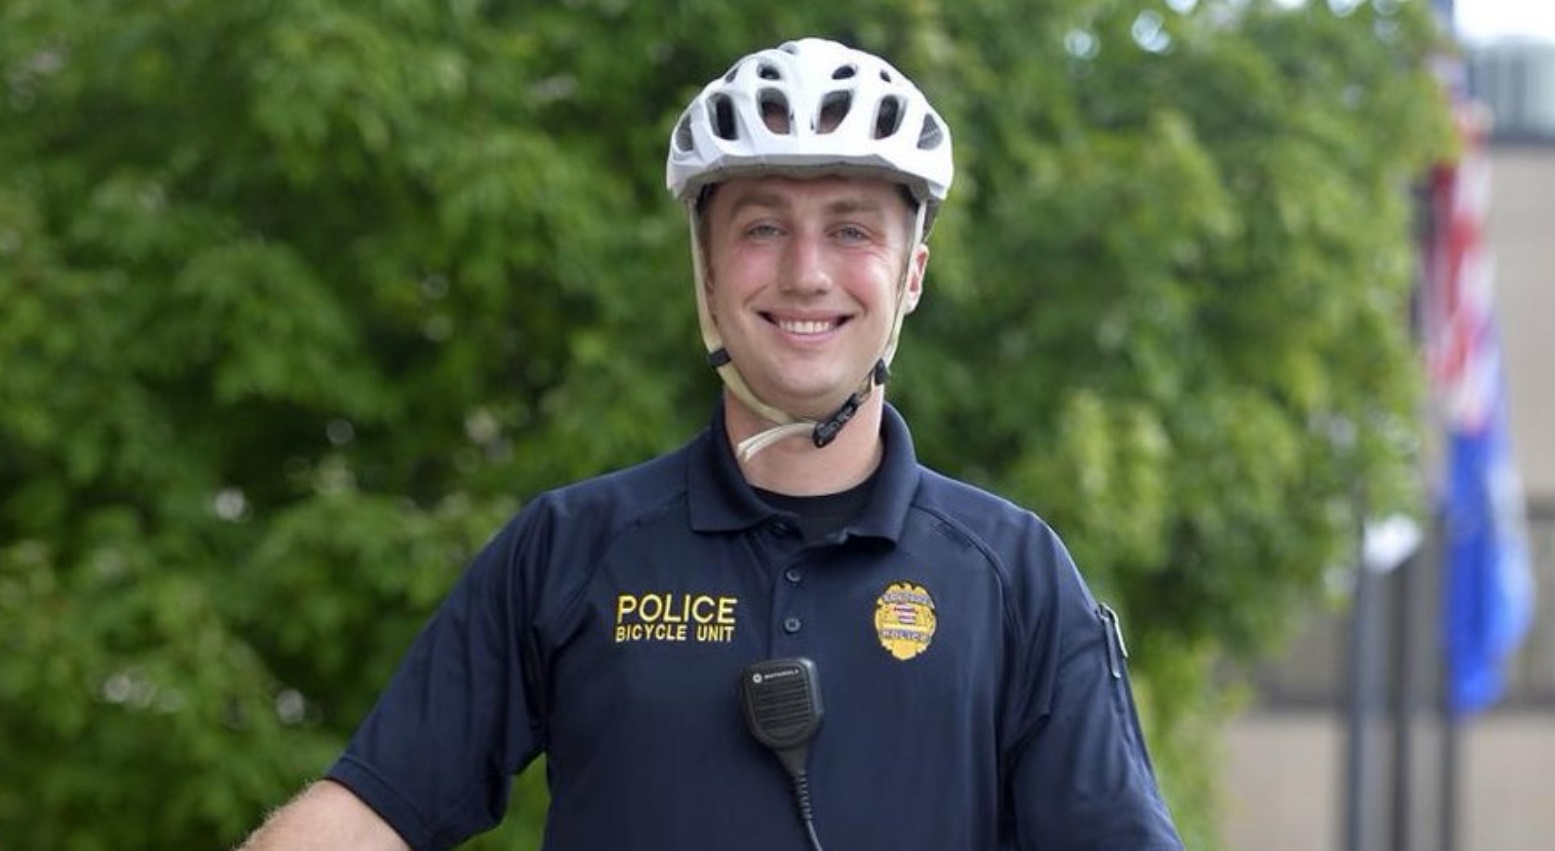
[(702, 268), (918, 265), (707, 296)]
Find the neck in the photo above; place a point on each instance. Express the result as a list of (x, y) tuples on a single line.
[(795, 466)]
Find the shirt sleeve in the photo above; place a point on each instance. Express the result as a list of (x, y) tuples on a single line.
[(436, 755), (1079, 776)]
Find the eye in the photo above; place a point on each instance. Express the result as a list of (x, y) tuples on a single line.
[(762, 230), (851, 233)]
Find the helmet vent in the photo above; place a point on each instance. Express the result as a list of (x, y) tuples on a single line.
[(845, 72), (888, 118), (932, 134), (721, 116), (834, 108), (683, 138), (775, 112), (768, 71)]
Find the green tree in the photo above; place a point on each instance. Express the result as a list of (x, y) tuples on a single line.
[(300, 299)]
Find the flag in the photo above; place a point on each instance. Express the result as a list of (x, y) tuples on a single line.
[(1488, 580)]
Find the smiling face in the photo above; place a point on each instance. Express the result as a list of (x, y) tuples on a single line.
[(802, 279)]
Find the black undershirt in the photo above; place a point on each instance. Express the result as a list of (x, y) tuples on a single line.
[(820, 516)]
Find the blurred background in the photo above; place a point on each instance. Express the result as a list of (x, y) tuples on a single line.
[(300, 300), (1356, 738)]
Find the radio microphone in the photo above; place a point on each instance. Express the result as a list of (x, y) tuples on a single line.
[(782, 703)]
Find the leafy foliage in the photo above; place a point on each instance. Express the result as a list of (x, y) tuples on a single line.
[(299, 299)]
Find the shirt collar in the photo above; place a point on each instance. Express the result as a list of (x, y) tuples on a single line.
[(722, 501)]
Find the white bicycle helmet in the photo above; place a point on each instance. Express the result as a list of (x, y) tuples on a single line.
[(807, 105), (810, 107)]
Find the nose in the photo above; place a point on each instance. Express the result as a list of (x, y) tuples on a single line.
[(806, 270)]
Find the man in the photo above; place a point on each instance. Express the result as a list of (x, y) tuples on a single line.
[(974, 694)]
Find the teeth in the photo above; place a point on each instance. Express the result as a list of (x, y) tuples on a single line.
[(793, 326)]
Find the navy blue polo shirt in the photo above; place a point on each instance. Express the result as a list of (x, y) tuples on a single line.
[(975, 696)]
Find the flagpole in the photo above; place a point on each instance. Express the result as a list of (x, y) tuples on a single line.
[(1406, 656), (1451, 739), (1363, 654), (1435, 254), (1452, 750)]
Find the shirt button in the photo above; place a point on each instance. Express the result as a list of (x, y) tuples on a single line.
[(792, 625), (792, 575)]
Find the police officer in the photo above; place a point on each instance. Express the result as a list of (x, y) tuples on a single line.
[(971, 692)]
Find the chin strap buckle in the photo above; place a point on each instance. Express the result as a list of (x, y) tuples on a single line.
[(826, 432)]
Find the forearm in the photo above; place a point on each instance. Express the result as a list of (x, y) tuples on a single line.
[(325, 817)]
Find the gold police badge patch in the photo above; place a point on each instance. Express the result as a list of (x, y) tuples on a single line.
[(904, 620)]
